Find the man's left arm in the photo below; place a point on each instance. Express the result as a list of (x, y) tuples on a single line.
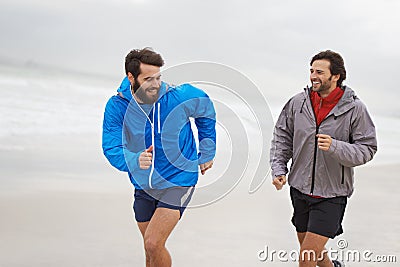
[(207, 141), (363, 145), (201, 108)]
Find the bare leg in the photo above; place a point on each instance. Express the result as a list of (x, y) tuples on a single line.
[(142, 227), (301, 236), (156, 234), (311, 247)]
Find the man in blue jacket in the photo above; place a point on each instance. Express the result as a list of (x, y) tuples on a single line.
[(147, 133)]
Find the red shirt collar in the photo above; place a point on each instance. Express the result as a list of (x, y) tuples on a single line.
[(332, 98), (322, 106)]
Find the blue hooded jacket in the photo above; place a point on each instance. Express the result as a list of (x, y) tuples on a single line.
[(129, 128)]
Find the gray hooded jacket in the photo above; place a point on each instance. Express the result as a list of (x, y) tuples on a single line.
[(314, 171)]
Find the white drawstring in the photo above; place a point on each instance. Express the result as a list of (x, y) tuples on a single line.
[(154, 149), (152, 136), (159, 124)]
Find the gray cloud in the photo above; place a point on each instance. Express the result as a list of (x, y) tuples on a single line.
[(275, 37)]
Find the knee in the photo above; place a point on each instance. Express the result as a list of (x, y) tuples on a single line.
[(152, 245), (310, 253), (307, 255)]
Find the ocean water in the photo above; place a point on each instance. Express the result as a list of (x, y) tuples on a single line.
[(40, 102), (53, 104)]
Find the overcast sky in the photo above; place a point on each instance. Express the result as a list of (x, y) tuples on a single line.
[(271, 41)]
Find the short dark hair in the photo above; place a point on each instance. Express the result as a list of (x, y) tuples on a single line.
[(137, 56), (336, 64)]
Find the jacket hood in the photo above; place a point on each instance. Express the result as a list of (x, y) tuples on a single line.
[(346, 102), (125, 89)]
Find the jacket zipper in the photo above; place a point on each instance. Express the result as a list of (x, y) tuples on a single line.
[(315, 145), (314, 161), (315, 148)]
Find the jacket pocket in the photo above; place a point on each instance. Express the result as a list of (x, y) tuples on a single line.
[(342, 174)]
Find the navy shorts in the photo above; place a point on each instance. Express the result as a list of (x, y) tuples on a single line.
[(322, 216), (147, 201)]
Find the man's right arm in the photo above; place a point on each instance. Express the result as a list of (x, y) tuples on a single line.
[(112, 141), (282, 143)]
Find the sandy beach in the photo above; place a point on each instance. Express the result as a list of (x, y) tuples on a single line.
[(61, 204)]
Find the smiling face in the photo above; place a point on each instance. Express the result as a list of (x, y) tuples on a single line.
[(149, 82), (321, 78)]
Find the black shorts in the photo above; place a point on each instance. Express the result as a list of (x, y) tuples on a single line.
[(322, 216), (147, 201)]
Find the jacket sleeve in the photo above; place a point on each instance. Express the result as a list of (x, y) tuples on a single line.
[(282, 142), (112, 139), (200, 107), (363, 143)]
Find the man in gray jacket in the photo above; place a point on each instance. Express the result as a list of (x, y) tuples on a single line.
[(326, 131)]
